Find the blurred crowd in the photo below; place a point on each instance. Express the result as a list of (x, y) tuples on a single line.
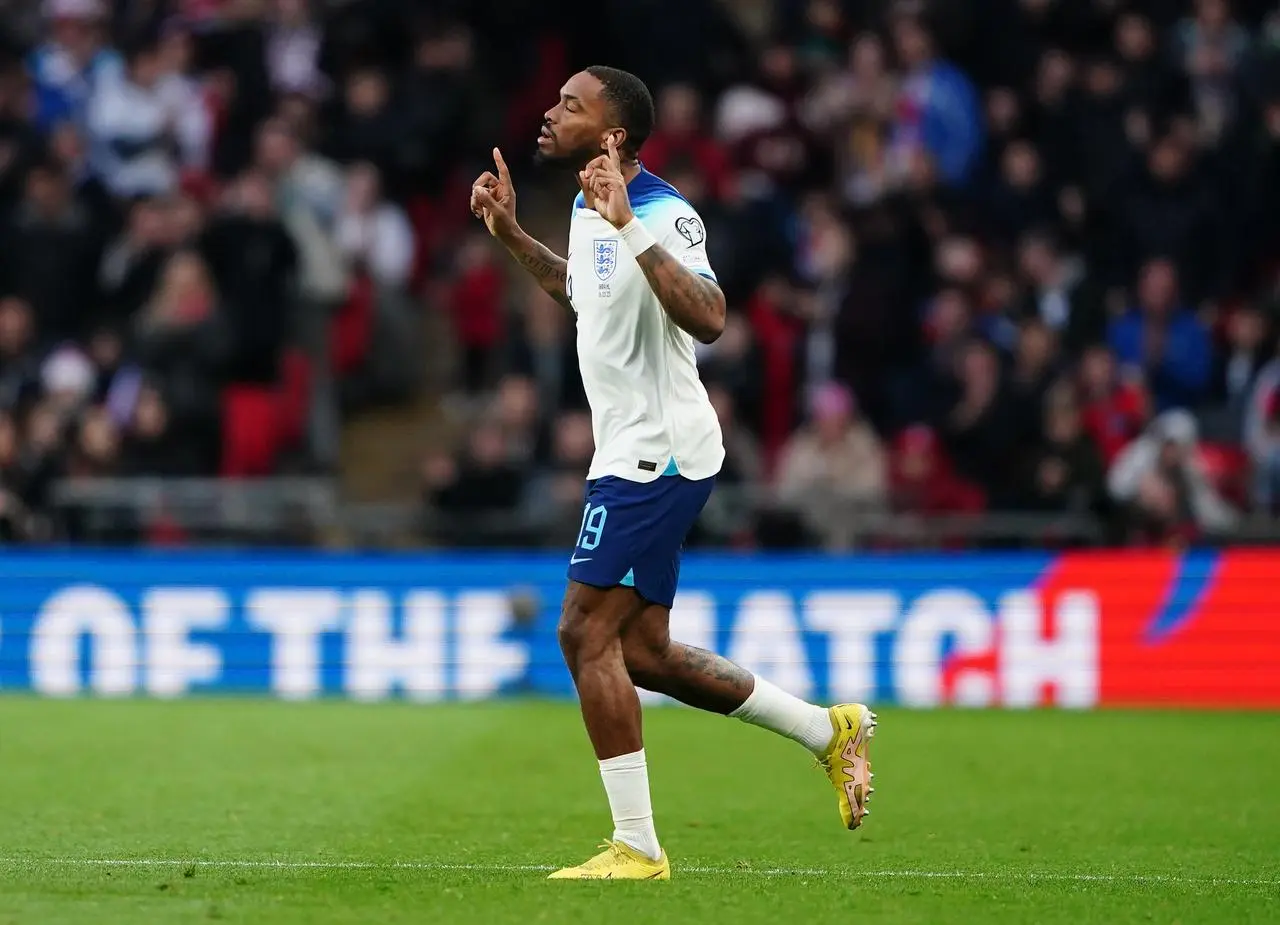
[(216, 220), (980, 257), (1009, 256)]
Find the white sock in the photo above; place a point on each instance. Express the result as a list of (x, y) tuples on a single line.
[(770, 707), (626, 781)]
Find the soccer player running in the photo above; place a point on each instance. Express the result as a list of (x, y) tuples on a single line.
[(638, 279)]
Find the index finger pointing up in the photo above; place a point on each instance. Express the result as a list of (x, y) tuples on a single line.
[(503, 173), (613, 152)]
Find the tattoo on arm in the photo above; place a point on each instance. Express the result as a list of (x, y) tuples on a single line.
[(549, 269), (693, 302)]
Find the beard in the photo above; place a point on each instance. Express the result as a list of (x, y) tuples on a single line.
[(573, 160)]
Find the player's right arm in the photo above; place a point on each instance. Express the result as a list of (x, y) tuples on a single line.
[(493, 199)]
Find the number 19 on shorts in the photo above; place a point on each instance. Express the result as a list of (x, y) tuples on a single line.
[(593, 519)]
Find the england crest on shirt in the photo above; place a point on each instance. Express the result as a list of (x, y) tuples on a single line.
[(606, 257)]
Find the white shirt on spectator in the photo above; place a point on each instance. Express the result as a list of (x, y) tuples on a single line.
[(383, 239), (123, 111)]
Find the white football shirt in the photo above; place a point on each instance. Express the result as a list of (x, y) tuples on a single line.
[(649, 411)]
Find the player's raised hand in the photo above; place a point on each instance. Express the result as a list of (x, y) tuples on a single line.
[(493, 199), (609, 187)]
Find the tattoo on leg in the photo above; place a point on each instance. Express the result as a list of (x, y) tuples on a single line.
[(700, 661)]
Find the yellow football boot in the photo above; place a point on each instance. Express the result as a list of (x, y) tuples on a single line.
[(847, 760), (617, 862)]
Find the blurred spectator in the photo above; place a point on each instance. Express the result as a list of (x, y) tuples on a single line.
[(678, 135), (138, 122), (1033, 371), (373, 233), (834, 464), (1066, 470), (479, 481), (1114, 409), (49, 254), (1163, 488), (131, 264), (293, 50), (371, 127), (923, 481), (475, 303), (1059, 291), (1164, 341), (151, 447), (938, 115), (1210, 46), (542, 348), (182, 340), (308, 190), (978, 428), (19, 357), (73, 63), (255, 261), (1236, 372), (1169, 212), (855, 107), (516, 412)]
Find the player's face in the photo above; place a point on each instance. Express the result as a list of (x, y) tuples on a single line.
[(575, 129)]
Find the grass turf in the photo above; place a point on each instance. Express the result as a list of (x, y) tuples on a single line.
[(443, 814)]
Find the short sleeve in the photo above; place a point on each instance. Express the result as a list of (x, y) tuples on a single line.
[(679, 229)]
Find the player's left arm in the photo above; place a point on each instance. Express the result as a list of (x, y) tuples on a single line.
[(693, 302), (683, 283)]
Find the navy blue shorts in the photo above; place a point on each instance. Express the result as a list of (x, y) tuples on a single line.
[(632, 533)]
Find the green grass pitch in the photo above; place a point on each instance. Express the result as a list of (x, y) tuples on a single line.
[(251, 811)]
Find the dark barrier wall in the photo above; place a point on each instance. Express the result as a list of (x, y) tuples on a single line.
[(1074, 630)]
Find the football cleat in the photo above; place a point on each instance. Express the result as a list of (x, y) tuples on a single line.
[(847, 760), (617, 862)]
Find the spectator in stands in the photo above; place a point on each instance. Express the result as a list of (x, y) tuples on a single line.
[(372, 232), (137, 122), (1166, 494), (541, 347), (1237, 369), (515, 411), (1066, 472), (938, 113), (479, 482), (855, 107), (1114, 409), (1163, 341), (308, 191), (1210, 46), (293, 50), (150, 445), (1169, 211), (19, 358), (49, 254), (977, 429), (95, 448), (476, 302), (833, 470), (254, 260), (67, 381), (131, 264), (1034, 369), (68, 68), (1021, 198), (1059, 291), (923, 481), (678, 135), (372, 123), (183, 342)]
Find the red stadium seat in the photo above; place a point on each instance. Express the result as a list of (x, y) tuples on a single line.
[(1227, 468), (351, 334), (261, 422)]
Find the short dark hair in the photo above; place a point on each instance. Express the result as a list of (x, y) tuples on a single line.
[(631, 102)]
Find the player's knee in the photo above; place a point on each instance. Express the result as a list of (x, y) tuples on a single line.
[(579, 632)]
